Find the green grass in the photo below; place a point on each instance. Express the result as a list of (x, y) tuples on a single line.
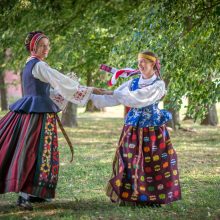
[(81, 187)]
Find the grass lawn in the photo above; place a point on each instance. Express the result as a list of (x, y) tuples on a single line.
[(81, 187)]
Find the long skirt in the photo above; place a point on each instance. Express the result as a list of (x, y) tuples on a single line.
[(29, 156), (145, 167)]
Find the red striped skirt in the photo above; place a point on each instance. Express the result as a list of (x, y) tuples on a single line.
[(29, 156), (145, 167)]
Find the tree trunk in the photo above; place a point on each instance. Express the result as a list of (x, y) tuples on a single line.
[(188, 27), (90, 107), (69, 117), (187, 115), (175, 122), (3, 93), (5, 57), (211, 117)]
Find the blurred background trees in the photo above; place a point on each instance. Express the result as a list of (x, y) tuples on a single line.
[(184, 34)]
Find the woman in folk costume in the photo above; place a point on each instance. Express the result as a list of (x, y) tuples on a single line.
[(145, 164), (29, 156)]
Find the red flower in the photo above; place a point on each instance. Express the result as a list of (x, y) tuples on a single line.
[(169, 184), (162, 145), (176, 193), (148, 169), (153, 138), (134, 137), (158, 177)]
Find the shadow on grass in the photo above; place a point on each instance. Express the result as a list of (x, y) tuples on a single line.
[(57, 208)]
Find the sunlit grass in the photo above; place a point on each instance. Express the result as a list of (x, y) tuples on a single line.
[(81, 188)]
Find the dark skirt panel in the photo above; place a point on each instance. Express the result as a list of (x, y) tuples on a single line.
[(29, 157)]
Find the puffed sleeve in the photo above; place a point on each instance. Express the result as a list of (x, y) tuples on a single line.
[(66, 87), (141, 97), (101, 101)]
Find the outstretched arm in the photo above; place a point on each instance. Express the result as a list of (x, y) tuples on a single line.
[(101, 101), (141, 97), (108, 99), (68, 88)]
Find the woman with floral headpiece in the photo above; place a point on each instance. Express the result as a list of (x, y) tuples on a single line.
[(145, 165), (29, 156)]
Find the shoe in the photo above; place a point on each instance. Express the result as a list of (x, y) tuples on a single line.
[(24, 203), (34, 199)]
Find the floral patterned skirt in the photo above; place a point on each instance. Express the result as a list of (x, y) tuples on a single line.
[(29, 156), (145, 167)]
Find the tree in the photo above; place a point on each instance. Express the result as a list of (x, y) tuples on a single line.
[(82, 35), (185, 36), (5, 57), (211, 117), (3, 93), (69, 118)]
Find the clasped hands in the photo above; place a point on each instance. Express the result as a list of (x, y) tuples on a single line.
[(100, 91)]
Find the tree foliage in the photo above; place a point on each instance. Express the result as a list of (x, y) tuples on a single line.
[(184, 35)]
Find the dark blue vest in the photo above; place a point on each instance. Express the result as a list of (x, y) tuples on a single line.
[(36, 94)]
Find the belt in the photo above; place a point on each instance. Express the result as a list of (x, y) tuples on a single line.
[(66, 137)]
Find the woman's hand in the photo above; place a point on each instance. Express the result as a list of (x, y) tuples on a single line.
[(107, 92), (99, 91)]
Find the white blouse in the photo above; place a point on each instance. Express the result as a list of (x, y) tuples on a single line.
[(145, 96), (64, 88)]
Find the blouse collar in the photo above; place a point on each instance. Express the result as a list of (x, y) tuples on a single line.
[(33, 57), (144, 82)]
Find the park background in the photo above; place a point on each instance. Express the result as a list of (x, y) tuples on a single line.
[(84, 34)]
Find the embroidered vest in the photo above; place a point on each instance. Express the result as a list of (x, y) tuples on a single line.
[(36, 94), (146, 116)]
